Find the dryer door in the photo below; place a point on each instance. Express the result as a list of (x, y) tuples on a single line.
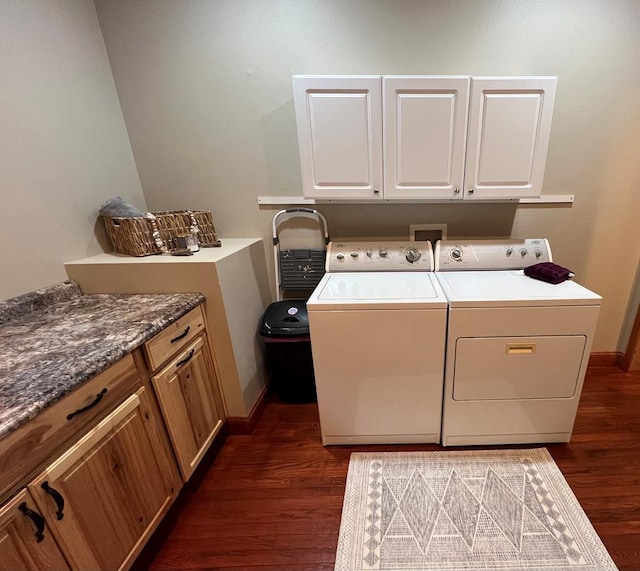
[(511, 368)]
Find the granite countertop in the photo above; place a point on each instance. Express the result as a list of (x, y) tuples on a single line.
[(54, 339)]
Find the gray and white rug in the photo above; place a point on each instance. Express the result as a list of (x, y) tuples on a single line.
[(464, 511)]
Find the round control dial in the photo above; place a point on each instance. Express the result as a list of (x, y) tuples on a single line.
[(412, 255), (383, 253), (456, 254)]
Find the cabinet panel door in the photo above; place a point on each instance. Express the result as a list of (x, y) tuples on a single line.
[(508, 136), (425, 126), (115, 486), (23, 546), (185, 390), (339, 122)]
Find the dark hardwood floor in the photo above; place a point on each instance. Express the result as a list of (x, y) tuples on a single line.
[(272, 500)]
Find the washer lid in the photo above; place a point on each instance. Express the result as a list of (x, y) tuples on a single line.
[(510, 288), (377, 290)]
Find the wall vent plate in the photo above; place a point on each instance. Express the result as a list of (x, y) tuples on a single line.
[(431, 232)]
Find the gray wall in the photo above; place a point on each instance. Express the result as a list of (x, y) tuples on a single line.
[(205, 89), (63, 144)]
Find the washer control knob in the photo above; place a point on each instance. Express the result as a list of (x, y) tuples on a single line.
[(538, 253), (340, 256), (456, 254), (523, 252), (354, 254), (369, 253), (412, 255), (383, 253), (509, 251)]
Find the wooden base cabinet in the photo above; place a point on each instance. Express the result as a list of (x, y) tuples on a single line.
[(104, 496), (188, 398), (25, 540)]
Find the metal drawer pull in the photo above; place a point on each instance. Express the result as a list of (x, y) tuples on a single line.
[(36, 518), (90, 405), (182, 335), (186, 359), (57, 498), (520, 348)]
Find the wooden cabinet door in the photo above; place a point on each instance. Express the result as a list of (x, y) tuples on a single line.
[(111, 489), (186, 391), (25, 541), (508, 136), (425, 129), (339, 122)]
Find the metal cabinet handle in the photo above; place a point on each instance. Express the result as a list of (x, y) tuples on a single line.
[(182, 335), (36, 518), (90, 405), (57, 498), (186, 359)]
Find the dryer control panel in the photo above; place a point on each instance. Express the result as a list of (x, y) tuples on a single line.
[(458, 255), (388, 256)]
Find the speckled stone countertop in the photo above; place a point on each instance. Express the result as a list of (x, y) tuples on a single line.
[(54, 339)]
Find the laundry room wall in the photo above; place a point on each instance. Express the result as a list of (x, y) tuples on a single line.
[(63, 144), (205, 88)]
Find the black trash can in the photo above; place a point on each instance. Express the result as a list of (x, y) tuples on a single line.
[(285, 330)]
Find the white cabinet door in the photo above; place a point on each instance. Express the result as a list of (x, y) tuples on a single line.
[(425, 126), (339, 122), (508, 136)]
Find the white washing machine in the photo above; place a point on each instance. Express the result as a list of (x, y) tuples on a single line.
[(517, 348), (378, 323)]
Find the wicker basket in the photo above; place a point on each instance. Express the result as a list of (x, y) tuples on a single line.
[(134, 236)]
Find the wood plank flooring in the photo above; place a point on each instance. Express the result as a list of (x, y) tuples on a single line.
[(272, 500)]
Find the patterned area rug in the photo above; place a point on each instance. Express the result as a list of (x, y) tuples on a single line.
[(464, 511)]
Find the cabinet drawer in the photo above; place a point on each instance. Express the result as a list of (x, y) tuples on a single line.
[(174, 337), (25, 450)]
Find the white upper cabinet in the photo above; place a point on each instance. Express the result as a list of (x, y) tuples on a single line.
[(424, 129), (339, 123), (423, 137), (508, 136)]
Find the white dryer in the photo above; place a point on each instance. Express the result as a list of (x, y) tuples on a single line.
[(377, 322), (517, 348)]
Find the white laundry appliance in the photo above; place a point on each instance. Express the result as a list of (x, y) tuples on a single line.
[(378, 324), (517, 348)]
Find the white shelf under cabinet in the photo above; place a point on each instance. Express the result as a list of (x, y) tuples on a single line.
[(303, 200)]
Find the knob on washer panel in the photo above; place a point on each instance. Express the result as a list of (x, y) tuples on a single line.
[(412, 255)]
